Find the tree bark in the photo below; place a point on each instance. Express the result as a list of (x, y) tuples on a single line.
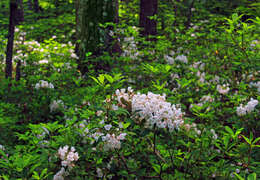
[(9, 50), (148, 8), (89, 15), (36, 6), (30, 5), (15, 17)]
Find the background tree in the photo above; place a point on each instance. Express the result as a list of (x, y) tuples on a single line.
[(148, 8), (16, 16), (36, 6), (90, 14)]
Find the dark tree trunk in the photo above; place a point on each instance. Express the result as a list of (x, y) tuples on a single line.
[(30, 5), (36, 6), (16, 16), (9, 50), (19, 16), (114, 44), (187, 24), (18, 70), (148, 8)]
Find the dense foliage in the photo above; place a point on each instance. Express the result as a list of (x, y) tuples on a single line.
[(185, 106)]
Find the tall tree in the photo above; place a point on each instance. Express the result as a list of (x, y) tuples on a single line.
[(16, 16), (148, 8), (36, 6), (89, 15)]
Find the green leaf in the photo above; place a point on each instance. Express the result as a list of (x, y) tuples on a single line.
[(4, 177), (159, 86), (109, 78), (247, 140), (35, 175), (125, 125), (101, 79), (238, 176), (44, 172), (252, 176), (95, 79), (157, 168), (238, 132), (229, 130)]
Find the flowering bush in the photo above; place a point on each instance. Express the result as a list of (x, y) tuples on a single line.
[(194, 113)]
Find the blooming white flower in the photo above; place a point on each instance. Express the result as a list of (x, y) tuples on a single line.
[(56, 104), (112, 142), (108, 127), (215, 136), (44, 61), (98, 113), (153, 108), (60, 174), (237, 171), (223, 89), (67, 156), (248, 108), (73, 55), (256, 84), (99, 173), (2, 147), (44, 84), (122, 136)]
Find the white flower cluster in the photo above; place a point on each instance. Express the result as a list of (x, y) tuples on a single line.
[(192, 126), (254, 43), (83, 129), (223, 89), (113, 142), (74, 56), (256, 84), (201, 76), (153, 108), (2, 147), (96, 136), (130, 48), (56, 105), (122, 95), (44, 61), (198, 65), (60, 174), (157, 111), (68, 157), (214, 135), (170, 60), (44, 84), (249, 107)]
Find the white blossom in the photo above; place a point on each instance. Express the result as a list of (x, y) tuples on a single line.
[(60, 174), (248, 108), (44, 84), (108, 127), (68, 157), (223, 89), (56, 104)]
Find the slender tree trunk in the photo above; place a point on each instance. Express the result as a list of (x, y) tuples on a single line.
[(15, 17), (187, 24), (9, 50), (30, 4), (36, 6), (148, 8)]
